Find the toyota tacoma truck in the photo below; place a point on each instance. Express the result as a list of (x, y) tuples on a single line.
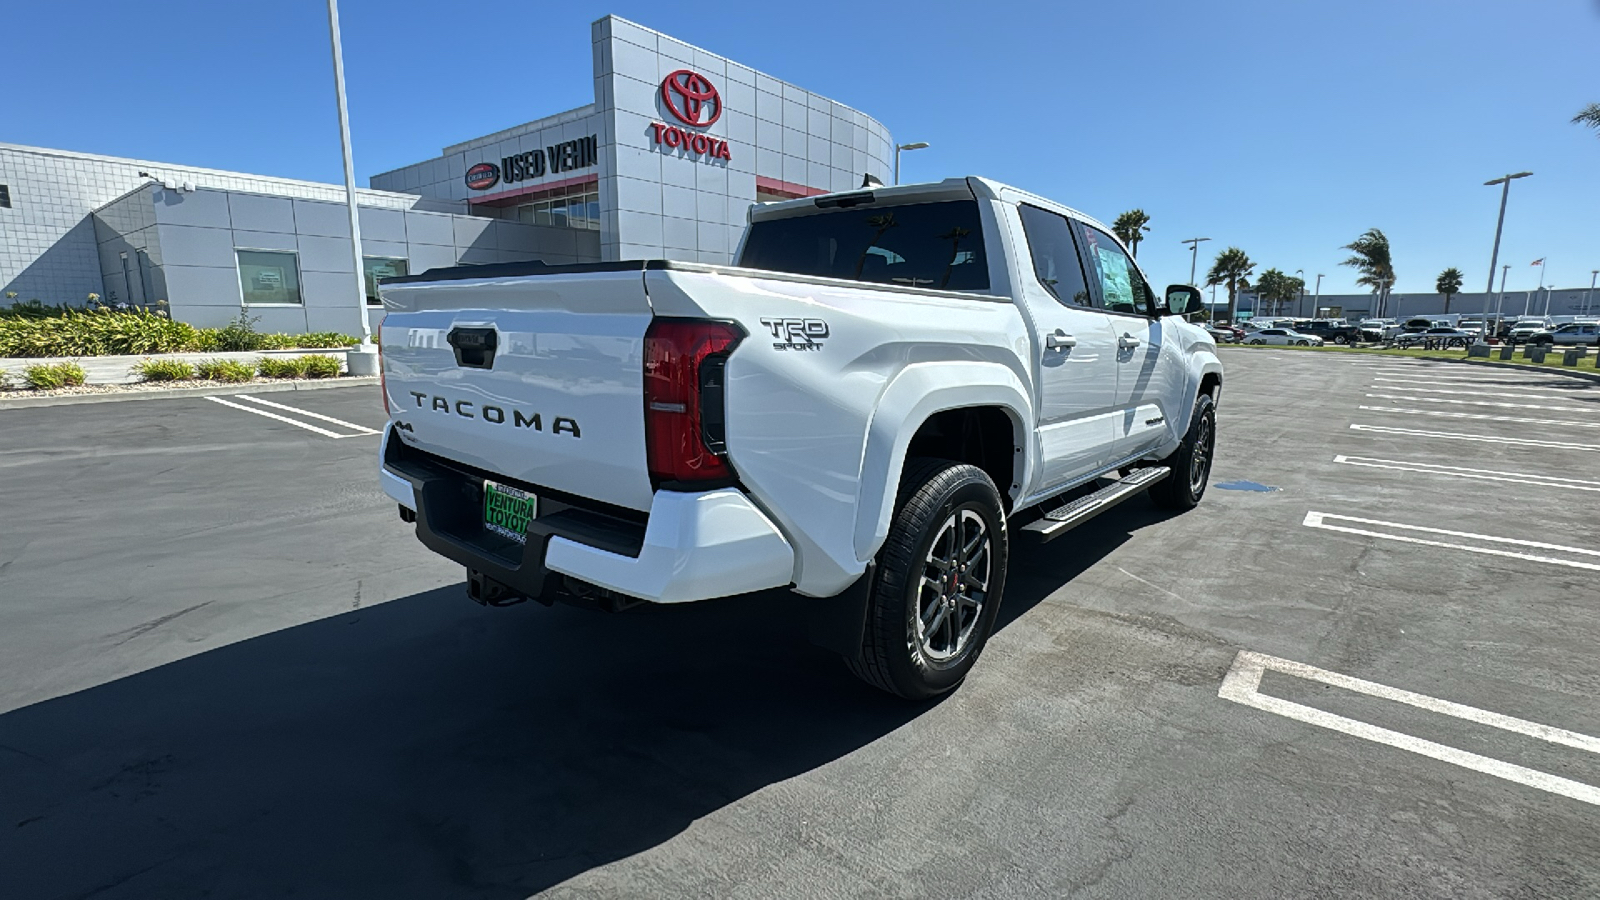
[(882, 390)]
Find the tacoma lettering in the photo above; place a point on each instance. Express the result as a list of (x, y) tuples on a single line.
[(494, 415)]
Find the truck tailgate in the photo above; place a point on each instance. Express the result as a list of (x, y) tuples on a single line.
[(538, 380)]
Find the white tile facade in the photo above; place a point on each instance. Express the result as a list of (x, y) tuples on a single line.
[(47, 240), (657, 201)]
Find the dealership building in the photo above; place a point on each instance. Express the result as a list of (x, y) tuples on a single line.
[(676, 146)]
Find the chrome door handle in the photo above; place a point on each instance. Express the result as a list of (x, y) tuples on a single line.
[(1128, 342), (1060, 341)]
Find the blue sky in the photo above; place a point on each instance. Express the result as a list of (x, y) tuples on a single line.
[(1283, 128)]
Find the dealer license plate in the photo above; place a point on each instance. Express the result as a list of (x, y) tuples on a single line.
[(508, 510)]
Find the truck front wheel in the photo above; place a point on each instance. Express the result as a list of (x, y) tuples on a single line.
[(938, 582), (1191, 463)]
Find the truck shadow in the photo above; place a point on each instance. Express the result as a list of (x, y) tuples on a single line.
[(428, 748)]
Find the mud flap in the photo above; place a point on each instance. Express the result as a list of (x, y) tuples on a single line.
[(839, 623)]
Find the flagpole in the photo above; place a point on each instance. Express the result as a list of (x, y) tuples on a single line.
[(1543, 264)]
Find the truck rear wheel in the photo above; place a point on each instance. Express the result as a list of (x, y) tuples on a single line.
[(1191, 462), (938, 583)]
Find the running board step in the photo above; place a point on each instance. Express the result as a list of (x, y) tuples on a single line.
[(1064, 518)]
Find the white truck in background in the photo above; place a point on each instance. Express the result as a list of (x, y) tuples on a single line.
[(866, 406)]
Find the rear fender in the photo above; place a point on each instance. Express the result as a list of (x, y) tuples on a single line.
[(916, 394)]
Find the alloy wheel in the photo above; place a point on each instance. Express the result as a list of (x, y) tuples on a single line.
[(953, 589)]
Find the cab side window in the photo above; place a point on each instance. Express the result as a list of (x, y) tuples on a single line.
[(1055, 255), (1122, 289)]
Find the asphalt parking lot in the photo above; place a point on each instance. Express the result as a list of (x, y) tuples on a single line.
[(228, 670)]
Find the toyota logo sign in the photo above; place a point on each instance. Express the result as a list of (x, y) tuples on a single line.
[(483, 176), (691, 98)]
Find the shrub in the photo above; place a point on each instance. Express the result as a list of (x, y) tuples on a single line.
[(33, 309), (94, 333), (231, 370), (320, 365), (281, 367), (240, 334), (324, 340), (48, 376), (164, 370)]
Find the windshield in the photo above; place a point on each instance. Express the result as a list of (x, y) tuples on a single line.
[(926, 245)]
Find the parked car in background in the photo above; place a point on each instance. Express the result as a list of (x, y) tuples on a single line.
[(1334, 331), (1377, 329), (1283, 337), (1222, 334), (1474, 325), (1528, 326), (1571, 335), (1441, 336)]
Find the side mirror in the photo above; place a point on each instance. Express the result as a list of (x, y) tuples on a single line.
[(1184, 300)]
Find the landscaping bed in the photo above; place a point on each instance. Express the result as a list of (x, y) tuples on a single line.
[(61, 377), (26, 333)]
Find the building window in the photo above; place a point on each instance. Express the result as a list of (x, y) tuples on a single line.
[(574, 207), (269, 277), (5, 196), (375, 267)]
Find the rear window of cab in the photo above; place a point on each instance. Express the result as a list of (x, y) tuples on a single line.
[(938, 246)]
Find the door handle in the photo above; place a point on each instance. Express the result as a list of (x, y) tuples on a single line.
[(1060, 341), (1128, 342)]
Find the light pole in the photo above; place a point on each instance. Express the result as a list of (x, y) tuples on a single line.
[(366, 353), (1542, 268), (1505, 192), (1589, 297), (1194, 256), (919, 145), (1300, 301), (1500, 298), (1316, 302)]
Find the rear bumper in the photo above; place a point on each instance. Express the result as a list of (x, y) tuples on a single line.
[(692, 546)]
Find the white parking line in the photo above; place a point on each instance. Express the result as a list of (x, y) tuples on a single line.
[(1484, 438), (1535, 381), (1573, 484), (1480, 416), (1242, 685), (271, 415), (1494, 403), (1320, 520), (301, 412), (1514, 395)]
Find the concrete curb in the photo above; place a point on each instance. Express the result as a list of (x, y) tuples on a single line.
[(246, 388), (1486, 363)]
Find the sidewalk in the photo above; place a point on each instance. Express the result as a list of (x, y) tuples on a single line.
[(119, 369)]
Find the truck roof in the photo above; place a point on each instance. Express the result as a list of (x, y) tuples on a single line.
[(929, 191)]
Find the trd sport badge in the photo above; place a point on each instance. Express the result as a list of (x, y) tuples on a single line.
[(797, 334)]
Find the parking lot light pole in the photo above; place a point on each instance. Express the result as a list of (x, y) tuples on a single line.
[(349, 172), (1316, 301), (1588, 298), (1194, 256), (1500, 299), (1505, 191), (919, 145), (1300, 301)]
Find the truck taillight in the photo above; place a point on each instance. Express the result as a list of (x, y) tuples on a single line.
[(684, 414)]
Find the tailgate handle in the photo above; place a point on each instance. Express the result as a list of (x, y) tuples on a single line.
[(474, 347)]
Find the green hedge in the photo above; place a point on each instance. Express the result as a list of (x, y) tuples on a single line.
[(104, 333)]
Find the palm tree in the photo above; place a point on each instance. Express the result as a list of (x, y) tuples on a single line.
[(1131, 226), (1449, 284), (1373, 261), (1232, 268), (1589, 115)]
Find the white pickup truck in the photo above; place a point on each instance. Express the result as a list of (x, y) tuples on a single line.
[(864, 407)]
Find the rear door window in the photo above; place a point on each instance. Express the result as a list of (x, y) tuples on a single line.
[(1055, 255), (924, 245)]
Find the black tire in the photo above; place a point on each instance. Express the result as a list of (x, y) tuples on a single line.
[(1302, 343), (1340, 339), (1191, 462), (896, 655), (1258, 341)]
